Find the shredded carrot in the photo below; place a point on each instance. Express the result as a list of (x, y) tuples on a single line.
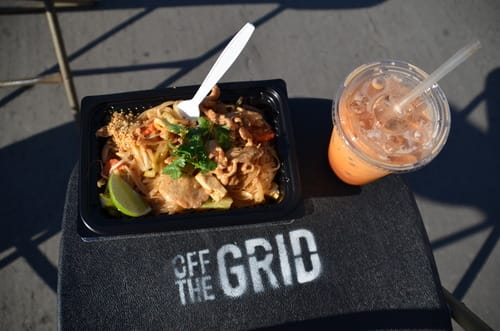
[(149, 129), (109, 164)]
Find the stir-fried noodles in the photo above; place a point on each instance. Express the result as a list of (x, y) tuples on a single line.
[(225, 159)]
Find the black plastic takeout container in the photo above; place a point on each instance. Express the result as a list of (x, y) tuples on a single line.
[(269, 96)]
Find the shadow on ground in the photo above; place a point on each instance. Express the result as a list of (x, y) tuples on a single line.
[(34, 175), (189, 64), (466, 173), (35, 171), (13, 8)]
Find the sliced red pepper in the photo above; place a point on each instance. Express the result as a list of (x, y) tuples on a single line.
[(263, 135)]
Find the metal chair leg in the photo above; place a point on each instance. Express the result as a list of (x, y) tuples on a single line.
[(62, 58), (64, 75), (54, 78), (37, 6), (463, 315)]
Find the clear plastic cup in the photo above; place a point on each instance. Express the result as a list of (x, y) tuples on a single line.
[(371, 137)]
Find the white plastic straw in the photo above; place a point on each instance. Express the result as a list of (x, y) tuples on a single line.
[(459, 57)]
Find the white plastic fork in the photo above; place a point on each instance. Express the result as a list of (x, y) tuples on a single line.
[(191, 108)]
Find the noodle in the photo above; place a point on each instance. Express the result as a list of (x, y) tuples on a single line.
[(178, 165)]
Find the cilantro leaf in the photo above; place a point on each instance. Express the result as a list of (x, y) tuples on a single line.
[(191, 154), (204, 164), (175, 128), (222, 136), (203, 123), (174, 169)]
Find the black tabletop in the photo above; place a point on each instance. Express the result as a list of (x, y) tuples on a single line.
[(348, 258)]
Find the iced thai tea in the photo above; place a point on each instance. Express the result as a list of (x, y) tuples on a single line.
[(373, 136)]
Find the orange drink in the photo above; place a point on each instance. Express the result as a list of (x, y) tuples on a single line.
[(373, 136)]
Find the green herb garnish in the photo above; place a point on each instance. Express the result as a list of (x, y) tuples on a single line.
[(174, 169), (191, 154), (174, 128), (222, 136)]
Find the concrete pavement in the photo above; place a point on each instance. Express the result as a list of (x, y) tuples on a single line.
[(138, 45)]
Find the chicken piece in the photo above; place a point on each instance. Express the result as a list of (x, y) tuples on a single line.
[(224, 174), (220, 119), (211, 186), (185, 192), (246, 136), (216, 153), (245, 154)]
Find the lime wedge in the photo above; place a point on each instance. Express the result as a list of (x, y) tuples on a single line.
[(125, 199), (106, 201)]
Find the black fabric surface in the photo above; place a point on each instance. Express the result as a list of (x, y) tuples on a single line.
[(377, 272), (376, 269)]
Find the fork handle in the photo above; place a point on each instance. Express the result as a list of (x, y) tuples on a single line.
[(224, 61)]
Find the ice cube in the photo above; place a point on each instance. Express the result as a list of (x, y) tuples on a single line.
[(396, 124), (366, 123), (358, 106), (366, 120), (378, 83), (423, 121), (388, 148), (357, 96), (374, 134), (420, 139), (396, 143)]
